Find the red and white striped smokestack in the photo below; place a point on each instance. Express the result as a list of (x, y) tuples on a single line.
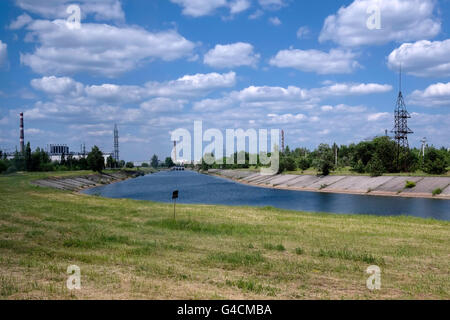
[(22, 144)]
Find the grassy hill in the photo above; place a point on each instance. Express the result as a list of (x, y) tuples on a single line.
[(134, 249)]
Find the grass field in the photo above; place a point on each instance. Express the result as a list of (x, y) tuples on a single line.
[(130, 249)]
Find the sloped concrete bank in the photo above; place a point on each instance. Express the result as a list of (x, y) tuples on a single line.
[(381, 186), (77, 183)]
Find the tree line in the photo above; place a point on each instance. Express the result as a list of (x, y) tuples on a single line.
[(374, 157), (39, 160)]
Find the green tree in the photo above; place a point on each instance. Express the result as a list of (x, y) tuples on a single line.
[(28, 163), (129, 165), (434, 162), (324, 162), (145, 165), (375, 166), (169, 162), (95, 160), (154, 162), (304, 163)]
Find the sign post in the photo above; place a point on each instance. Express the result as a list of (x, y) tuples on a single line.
[(174, 198)]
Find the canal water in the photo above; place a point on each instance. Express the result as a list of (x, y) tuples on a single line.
[(197, 188)]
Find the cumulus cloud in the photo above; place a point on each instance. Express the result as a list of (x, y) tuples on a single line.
[(303, 32), (291, 98), (70, 99), (422, 58), (163, 105), (333, 62), (3, 52), (20, 22), (99, 48), (52, 9), (346, 89), (275, 21), (401, 20), (58, 86), (272, 4), (231, 55), (198, 8), (378, 116), (437, 94), (238, 6)]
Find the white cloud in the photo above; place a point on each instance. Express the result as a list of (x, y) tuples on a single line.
[(101, 9), (286, 118), (422, 58), (192, 85), (272, 4), (163, 105), (198, 8), (20, 22), (3, 52), (238, 6), (334, 62), (401, 20), (69, 99), (275, 21), (437, 94), (58, 86), (343, 108), (303, 32), (378, 116), (231, 55), (99, 48), (346, 89)]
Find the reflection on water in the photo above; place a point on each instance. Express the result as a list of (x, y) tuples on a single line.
[(204, 189)]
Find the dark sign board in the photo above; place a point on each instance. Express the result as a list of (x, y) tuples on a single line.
[(175, 194)]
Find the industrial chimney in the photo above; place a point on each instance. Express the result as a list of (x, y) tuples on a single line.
[(22, 146)]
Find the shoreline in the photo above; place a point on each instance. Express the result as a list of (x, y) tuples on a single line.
[(80, 183), (332, 190)]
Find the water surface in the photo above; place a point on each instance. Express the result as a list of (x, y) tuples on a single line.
[(197, 188)]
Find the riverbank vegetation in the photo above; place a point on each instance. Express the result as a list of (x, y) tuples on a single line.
[(130, 249), (375, 158)]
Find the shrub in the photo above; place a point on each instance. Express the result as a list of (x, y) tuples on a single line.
[(437, 191), (129, 165), (435, 162), (299, 251), (409, 184), (375, 167)]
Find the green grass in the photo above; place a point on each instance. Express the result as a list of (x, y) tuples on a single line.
[(129, 249), (409, 184)]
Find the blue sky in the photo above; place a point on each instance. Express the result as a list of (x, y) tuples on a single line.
[(312, 68)]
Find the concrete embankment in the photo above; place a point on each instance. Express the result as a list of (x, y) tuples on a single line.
[(77, 183), (382, 186)]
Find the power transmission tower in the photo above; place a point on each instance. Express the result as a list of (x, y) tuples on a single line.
[(401, 129)]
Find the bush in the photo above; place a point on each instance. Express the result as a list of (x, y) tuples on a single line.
[(410, 184), (145, 165), (129, 165), (359, 167), (437, 191), (304, 163), (375, 167), (434, 162)]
